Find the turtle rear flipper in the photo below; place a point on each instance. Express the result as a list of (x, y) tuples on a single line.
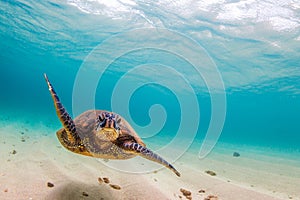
[(148, 154), (63, 115)]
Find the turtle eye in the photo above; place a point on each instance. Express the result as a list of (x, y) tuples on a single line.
[(101, 118), (101, 121)]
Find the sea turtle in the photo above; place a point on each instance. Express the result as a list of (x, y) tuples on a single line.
[(101, 134)]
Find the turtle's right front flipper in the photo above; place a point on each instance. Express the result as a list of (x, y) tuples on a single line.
[(63, 115), (148, 154)]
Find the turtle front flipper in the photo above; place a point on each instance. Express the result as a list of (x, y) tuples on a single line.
[(66, 120), (148, 154)]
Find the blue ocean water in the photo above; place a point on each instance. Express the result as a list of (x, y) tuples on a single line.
[(247, 54)]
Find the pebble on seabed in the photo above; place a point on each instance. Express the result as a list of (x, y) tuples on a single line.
[(85, 194), (106, 180), (100, 180), (186, 193), (116, 187), (236, 154), (211, 173), (211, 197), (50, 184)]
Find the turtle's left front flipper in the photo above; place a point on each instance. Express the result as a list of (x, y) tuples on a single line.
[(63, 115), (148, 154)]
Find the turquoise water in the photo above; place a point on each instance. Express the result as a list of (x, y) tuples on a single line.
[(247, 53)]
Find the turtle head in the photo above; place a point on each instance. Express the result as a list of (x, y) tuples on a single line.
[(109, 124)]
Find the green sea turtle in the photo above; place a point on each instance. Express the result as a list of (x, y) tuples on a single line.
[(101, 134)]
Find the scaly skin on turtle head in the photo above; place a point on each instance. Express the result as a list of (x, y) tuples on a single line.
[(109, 123)]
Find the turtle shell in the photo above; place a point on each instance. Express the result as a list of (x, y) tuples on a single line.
[(101, 143)]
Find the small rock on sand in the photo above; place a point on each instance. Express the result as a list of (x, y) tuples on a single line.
[(186, 193), (116, 187), (100, 180), (50, 184), (85, 194), (106, 180), (14, 152), (6, 190), (201, 191), (211, 173), (236, 154), (211, 197)]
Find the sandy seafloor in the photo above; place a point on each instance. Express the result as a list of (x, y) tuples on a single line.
[(31, 156)]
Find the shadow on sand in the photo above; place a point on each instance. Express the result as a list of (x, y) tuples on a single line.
[(77, 190)]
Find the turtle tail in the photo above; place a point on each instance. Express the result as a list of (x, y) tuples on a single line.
[(148, 154), (63, 115)]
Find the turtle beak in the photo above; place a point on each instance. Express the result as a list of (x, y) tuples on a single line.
[(108, 129), (111, 133)]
